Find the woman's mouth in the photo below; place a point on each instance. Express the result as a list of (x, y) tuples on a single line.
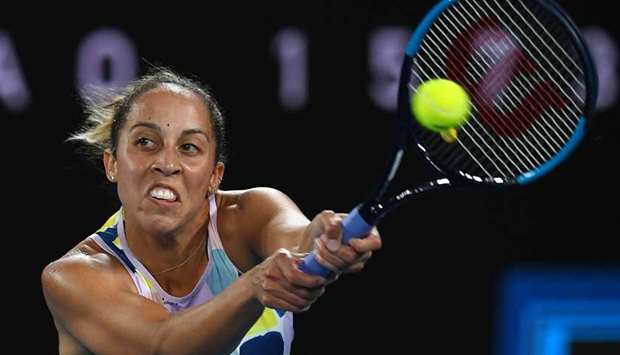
[(163, 194)]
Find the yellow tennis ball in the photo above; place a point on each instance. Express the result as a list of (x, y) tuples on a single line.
[(440, 104)]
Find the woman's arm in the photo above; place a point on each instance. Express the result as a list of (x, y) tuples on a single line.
[(99, 308), (272, 221)]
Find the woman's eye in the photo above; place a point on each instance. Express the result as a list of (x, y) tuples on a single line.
[(188, 147), (144, 142)]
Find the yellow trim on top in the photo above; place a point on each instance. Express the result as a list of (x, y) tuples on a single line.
[(267, 321), (110, 222)]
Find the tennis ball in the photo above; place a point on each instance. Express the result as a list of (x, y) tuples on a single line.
[(440, 104)]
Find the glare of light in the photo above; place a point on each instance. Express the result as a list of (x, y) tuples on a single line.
[(604, 50)]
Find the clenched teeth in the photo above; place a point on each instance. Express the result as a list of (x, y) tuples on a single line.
[(163, 194)]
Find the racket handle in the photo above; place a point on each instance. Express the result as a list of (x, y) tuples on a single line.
[(353, 226)]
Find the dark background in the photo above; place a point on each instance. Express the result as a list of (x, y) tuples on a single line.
[(434, 284)]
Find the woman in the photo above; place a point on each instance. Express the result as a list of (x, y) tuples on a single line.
[(184, 267)]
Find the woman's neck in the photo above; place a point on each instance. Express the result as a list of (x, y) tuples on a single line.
[(176, 258)]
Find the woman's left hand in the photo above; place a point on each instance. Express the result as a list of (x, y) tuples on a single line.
[(325, 231)]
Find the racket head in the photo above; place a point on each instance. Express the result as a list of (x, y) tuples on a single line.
[(531, 81)]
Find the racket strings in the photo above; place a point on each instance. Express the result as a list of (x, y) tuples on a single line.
[(453, 155), (551, 60), (452, 160), (480, 73), (562, 59), (555, 76), (572, 118), (482, 127), (506, 130), (511, 96), (518, 90), (514, 143)]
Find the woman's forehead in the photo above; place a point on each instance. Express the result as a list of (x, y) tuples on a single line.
[(171, 104)]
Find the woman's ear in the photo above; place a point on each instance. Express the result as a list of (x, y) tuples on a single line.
[(109, 162), (216, 177)]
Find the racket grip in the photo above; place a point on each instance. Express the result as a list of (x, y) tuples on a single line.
[(353, 226)]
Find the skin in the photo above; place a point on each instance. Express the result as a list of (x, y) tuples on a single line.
[(168, 142)]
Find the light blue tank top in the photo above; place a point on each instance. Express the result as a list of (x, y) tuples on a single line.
[(273, 332)]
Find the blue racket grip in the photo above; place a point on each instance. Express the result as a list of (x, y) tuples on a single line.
[(353, 226)]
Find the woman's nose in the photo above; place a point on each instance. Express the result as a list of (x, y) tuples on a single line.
[(167, 163)]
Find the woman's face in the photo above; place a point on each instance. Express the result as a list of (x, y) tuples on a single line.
[(165, 160)]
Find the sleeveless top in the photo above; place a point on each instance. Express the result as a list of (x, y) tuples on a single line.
[(271, 334)]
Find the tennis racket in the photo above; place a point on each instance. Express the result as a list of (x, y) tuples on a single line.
[(532, 87)]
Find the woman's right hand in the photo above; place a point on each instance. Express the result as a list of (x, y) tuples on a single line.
[(279, 283)]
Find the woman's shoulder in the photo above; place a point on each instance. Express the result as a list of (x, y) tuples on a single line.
[(252, 197), (238, 208), (82, 266), (245, 212), (86, 254), (253, 207)]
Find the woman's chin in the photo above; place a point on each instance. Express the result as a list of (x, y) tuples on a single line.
[(162, 226), (157, 223)]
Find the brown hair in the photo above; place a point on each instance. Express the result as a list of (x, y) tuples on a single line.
[(107, 111)]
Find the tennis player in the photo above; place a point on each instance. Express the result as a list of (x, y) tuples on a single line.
[(184, 267)]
